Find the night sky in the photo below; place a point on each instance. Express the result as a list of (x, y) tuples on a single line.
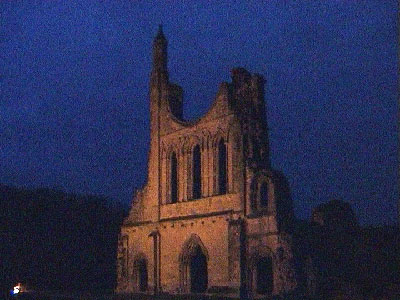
[(74, 76)]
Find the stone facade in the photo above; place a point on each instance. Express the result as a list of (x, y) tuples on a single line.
[(213, 217)]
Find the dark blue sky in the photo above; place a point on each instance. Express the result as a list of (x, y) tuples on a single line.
[(74, 81)]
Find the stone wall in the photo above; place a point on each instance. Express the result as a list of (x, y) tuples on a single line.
[(170, 220), (213, 232)]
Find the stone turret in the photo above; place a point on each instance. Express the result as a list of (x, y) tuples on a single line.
[(249, 103), (160, 55), (158, 100)]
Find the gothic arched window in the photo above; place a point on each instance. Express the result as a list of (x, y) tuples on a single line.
[(222, 167), (264, 276), (174, 178), (196, 173), (264, 195), (256, 149), (253, 204), (245, 145)]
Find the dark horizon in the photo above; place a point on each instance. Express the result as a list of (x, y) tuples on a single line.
[(74, 101)]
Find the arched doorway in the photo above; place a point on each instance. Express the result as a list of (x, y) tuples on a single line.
[(264, 276), (193, 266), (198, 272), (140, 274)]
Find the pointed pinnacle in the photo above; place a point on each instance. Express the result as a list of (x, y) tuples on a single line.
[(160, 33)]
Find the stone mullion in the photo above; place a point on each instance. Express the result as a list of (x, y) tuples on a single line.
[(188, 279), (248, 177), (253, 281)]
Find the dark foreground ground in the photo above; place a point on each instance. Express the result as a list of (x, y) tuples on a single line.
[(111, 296), (53, 240)]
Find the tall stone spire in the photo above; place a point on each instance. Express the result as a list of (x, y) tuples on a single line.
[(159, 86), (160, 33), (160, 51)]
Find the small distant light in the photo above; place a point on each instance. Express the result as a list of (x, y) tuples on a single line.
[(16, 289)]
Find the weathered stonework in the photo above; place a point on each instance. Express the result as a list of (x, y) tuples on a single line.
[(212, 207)]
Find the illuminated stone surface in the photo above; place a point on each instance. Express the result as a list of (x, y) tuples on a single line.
[(226, 234)]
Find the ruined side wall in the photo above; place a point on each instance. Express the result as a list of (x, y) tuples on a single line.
[(139, 245)]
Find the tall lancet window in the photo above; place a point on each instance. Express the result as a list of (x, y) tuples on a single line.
[(196, 172), (174, 178), (264, 195), (221, 167)]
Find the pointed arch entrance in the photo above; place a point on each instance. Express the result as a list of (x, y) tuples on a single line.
[(264, 276), (262, 272), (193, 266), (140, 273)]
